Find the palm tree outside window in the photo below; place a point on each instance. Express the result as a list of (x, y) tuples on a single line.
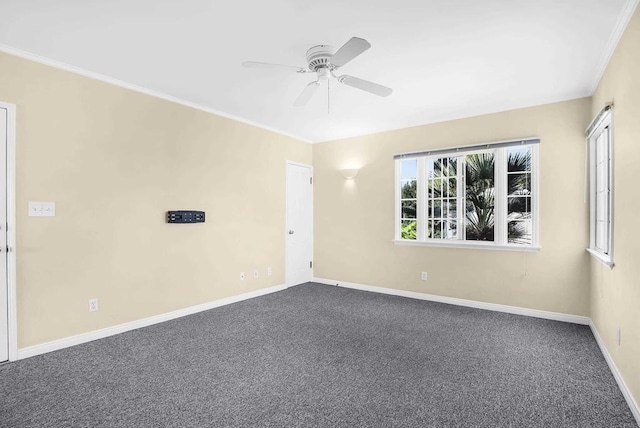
[(484, 197)]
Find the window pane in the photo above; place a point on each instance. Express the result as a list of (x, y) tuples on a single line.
[(437, 188), (601, 182), (409, 169), (453, 212), (600, 206), (480, 188), (409, 209), (453, 167), (451, 229), (520, 205), (600, 236), (519, 184), (519, 159), (601, 147), (452, 187), (520, 232), (409, 189), (437, 208), (437, 229), (408, 229)]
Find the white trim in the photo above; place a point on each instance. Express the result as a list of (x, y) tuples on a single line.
[(614, 39), (535, 200), (286, 216), (452, 243), (628, 396), (601, 257), (97, 76), (605, 124), (421, 195), (11, 231), (471, 148), (397, 206), (133, 325), (536, 313), (501, 197)]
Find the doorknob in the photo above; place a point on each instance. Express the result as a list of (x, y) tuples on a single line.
[(291, 232)]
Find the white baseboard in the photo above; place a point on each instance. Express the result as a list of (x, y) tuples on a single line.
[(575, 319), (633, 404), (43, 348)]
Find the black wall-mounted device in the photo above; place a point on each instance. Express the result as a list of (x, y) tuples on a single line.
[(185, 216)]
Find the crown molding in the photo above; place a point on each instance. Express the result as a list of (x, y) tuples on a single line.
[(616, 34)]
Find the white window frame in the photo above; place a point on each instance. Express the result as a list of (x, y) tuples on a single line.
[(500, 221), (603, 125)]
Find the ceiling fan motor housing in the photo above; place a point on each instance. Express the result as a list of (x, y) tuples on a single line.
[(318, 57)]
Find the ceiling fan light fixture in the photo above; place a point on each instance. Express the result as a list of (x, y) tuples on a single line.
[(324, 60)]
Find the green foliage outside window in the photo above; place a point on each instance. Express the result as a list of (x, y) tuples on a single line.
[(479, 196)]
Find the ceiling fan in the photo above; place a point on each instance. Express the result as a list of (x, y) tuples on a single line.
[(324, 60)]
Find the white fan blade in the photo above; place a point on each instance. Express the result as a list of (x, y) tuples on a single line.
[(354, 47), (306, 94), (254, 64), (365, 85)]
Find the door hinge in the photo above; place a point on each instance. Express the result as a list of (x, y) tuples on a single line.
[(311, 265), (310, 180)]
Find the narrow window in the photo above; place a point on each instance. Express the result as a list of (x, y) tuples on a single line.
[(519, 196), (480, 191), (601, 192), (408, 198)]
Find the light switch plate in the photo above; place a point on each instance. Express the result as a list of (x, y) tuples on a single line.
[(42, 209)]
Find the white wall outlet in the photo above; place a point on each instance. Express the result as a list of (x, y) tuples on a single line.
[(42, 209), (241, 276), (423, 276), (618, 336), (269, 271), (93, 305), (255, 273)]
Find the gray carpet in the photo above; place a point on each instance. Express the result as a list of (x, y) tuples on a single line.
[(317, 355)]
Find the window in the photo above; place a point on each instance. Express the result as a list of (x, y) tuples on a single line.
[(601, 198), (483, 196)]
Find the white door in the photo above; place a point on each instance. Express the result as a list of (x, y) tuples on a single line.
[(4, 301), (299, 232)]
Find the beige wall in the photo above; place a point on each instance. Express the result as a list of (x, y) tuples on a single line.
[(615, 293), (354, 220), (114, 161)]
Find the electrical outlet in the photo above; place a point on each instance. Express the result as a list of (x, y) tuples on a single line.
[(241, 276), (255, 274), (269, 271), (93, 305), (423, 276), (618, 336)]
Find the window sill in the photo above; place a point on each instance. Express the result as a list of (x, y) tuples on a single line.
[(467, 245), (606, 260)]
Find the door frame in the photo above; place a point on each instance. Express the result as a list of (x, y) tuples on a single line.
[(286, 217), (11, 231)]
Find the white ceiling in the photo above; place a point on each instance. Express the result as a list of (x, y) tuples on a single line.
[(444, 59)]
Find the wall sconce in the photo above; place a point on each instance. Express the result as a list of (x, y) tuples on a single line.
[(349, 174)]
